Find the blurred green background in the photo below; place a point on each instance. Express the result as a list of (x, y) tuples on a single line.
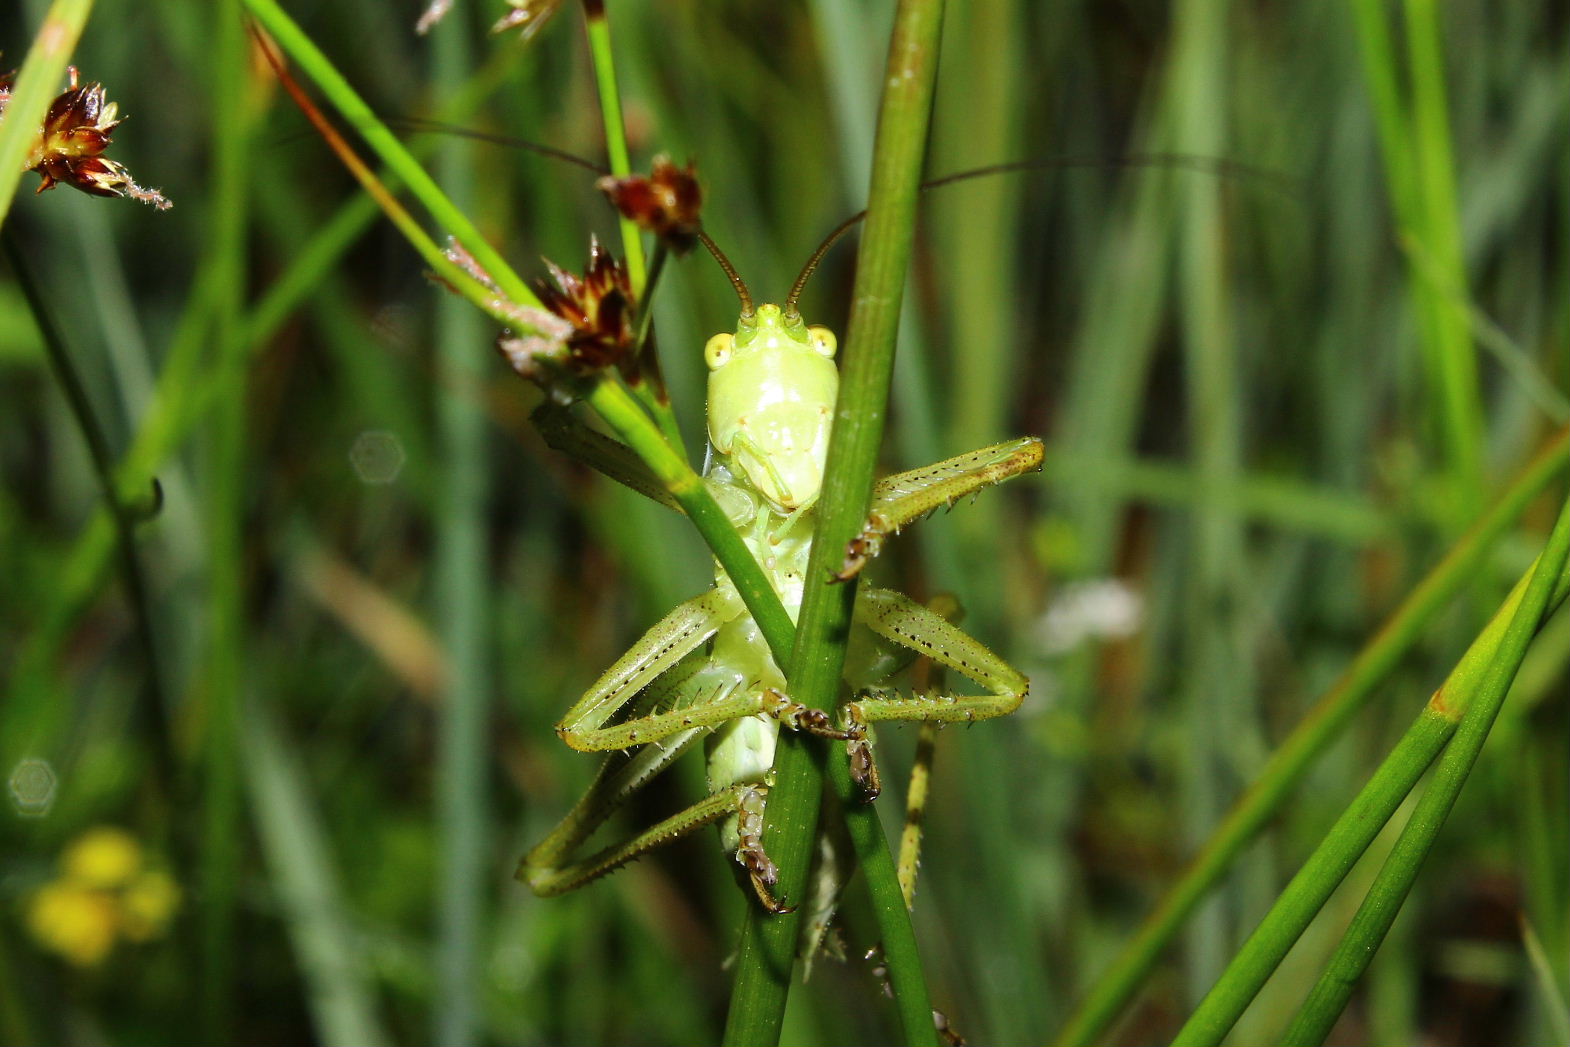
[(1273, 393)]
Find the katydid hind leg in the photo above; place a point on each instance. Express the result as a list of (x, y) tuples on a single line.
[(928, 676), (620, 775), (548, 878)]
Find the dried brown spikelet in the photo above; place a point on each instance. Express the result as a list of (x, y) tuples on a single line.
[(667, 203), (72, 139), (600, 307)]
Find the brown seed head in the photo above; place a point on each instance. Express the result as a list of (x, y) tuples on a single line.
[(599, 306), (667, 203), (74, 134)]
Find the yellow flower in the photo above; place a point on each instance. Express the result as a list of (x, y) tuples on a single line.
[(103, 857), (74, 921), (148, 904)]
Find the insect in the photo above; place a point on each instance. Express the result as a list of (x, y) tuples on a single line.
[(704, 671)]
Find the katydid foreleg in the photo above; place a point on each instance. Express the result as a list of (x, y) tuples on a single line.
[(905, 497)]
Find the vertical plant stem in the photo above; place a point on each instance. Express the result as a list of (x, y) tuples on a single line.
[(151, 706), (1218, 680), (226, 503), (462, 609), (37, 83), (340, 987), (599, 29), (1415, 149), (768, 943), (1384, 900), (1312, 737), (1441, 272), (638, 274)]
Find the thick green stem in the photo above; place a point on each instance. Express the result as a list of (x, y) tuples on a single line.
[(768, 943), (1292, 760)]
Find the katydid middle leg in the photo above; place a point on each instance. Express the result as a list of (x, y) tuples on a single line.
[(905, 622)]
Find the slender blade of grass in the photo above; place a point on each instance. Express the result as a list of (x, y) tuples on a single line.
[(1354, 830), (226, 469), (462, 612), (339, 988), (1290, 762), (1330, 994)]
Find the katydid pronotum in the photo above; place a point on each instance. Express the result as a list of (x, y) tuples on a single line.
[(704, 671)]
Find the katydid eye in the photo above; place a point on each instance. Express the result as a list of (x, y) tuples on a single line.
[(717, 353), (823, 340)]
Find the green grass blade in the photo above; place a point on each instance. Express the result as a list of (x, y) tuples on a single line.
[(1415, 148), (1219, 682), (1354, 830), (1553, 994), (1293, 758), (339, 989), (387, 146), (150, 705), (226, 503), (599, 28), (1329, 996), (37, 84), (462, 615), (1440, 232)]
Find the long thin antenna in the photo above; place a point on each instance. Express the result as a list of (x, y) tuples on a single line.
[(730, 271), (420, 125), (1179, 161), (790, 310)]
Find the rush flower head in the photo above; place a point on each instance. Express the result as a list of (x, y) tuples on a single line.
[(72, 139), (599, 305), (527, 16), (666, 203)]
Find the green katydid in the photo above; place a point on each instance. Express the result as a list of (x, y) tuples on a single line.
[(704, 671)]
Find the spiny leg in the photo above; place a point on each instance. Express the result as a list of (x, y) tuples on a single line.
[(547, 868), (905, 622), (927, 677), (907, 497), (669, 641), (726, 704), (620, 775), (565, 432), (909, 864), (743, 800)]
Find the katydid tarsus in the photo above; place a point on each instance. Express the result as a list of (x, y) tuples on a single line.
[(704, 671)]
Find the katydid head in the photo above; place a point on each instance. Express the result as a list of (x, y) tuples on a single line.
[(772, 387)]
